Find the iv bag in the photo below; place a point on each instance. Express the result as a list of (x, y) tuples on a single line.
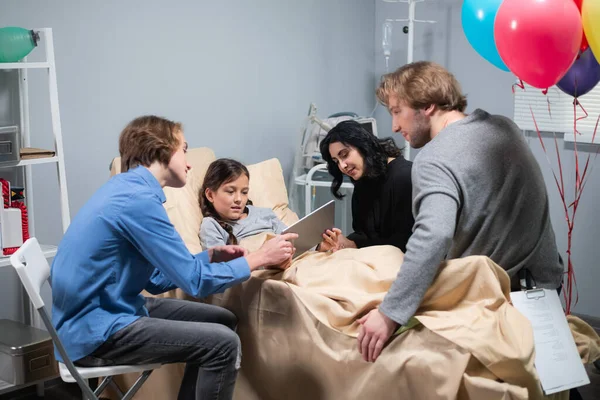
[(386, 41)]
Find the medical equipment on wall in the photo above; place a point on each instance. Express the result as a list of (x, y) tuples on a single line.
[(406, 29), (10, 146), (315, 129), (386, 43), (387, 33), (14, 223)]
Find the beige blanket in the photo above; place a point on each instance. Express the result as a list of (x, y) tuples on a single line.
[(473, 343), (298, 330)]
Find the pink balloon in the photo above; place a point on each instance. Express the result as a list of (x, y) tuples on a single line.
[(538, 40)]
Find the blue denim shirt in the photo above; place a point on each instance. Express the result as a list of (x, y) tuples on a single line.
[(120, 243)]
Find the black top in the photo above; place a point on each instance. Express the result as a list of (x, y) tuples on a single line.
[(382, 207)]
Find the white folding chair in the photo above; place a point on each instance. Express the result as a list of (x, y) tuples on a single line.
[(33, 270)]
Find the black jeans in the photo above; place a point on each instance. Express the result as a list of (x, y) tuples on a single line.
[(201, 335)]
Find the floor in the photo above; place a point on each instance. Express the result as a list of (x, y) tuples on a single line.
[(591, 391), (57, 390)]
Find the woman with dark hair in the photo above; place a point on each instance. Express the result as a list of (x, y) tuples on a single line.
[(382, 198)]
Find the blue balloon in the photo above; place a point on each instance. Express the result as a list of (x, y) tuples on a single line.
[(478, 24)]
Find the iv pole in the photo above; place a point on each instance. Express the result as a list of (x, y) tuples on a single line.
[(411, 39)]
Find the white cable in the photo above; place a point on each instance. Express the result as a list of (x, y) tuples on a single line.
[(326, 127), (374, 108)]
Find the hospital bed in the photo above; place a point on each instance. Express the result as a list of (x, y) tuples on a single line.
[(292, 349)]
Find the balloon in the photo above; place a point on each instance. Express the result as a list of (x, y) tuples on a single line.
[(590, 14), (478, 24), (539, 39), (584, 42), (16, 43), (582, 77)]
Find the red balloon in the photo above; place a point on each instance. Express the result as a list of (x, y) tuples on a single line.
[(584, 42), (538, 40)]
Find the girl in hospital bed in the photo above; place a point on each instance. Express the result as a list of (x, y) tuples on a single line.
[(228, 214)]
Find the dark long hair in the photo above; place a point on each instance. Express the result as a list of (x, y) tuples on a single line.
[(374, 151), (220, 172)]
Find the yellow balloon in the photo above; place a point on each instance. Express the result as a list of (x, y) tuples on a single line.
[(590, 16)]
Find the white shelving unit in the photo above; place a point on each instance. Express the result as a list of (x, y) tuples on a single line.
[(49, 65), (25, 166), (49, 252), (26, 65)]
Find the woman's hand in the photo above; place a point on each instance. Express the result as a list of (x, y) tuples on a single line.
[(273, 253), (334, 240)]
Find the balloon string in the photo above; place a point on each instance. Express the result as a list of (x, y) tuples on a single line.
[(585, 169), (519, 84), (578, 103), (545, 93), (571, 283), (537, 129), (577, 177)]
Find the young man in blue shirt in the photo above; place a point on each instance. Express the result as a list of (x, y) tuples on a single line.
[(120, 243)]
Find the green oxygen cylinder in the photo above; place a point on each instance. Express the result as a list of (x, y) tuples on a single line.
[(16, 43)]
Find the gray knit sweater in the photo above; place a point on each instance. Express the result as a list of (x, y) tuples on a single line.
[(478, 190)]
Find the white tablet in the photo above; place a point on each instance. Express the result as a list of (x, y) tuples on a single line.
[(311, 228)]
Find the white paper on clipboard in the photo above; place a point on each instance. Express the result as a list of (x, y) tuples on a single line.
[(556, 357)]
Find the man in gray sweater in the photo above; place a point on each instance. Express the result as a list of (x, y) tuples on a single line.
[(477, 188)]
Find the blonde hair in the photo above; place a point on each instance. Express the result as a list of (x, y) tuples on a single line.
[(422, 84)]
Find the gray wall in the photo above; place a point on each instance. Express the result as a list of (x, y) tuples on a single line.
[(240, 75), (247, 71), (490, 89)]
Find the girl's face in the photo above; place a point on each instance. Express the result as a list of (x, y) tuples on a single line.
[(230, 199), (348, 159)]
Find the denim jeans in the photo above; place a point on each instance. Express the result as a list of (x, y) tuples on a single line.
[(201, 335)]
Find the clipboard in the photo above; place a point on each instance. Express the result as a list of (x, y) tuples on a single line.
[(557, 360)]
